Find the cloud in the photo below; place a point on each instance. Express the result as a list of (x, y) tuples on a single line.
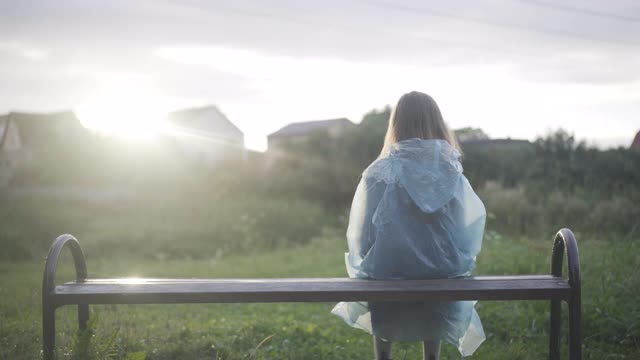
[(16, 48), (493, 63)]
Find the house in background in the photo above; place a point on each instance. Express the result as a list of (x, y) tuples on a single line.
[(302, 131), (205, 134), (10, 146), (635, 144), (23, 136)]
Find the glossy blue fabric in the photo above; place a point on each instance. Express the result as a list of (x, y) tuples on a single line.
[(415, 216)]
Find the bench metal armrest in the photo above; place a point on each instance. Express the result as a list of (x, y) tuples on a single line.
[(48, 289), (565, 242), (48, 282)]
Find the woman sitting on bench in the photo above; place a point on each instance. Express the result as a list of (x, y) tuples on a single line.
[(415, 216)]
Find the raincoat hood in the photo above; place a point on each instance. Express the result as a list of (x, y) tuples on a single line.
[(429, 170)]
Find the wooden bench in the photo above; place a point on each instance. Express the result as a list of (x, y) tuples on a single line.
[(86, 290)]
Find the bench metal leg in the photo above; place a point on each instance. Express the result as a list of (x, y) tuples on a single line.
[(49, 327), (556, 330), (83, 316), (48, 331), (431, 350), (575, 331), (381, 348)]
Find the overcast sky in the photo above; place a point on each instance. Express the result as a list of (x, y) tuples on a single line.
[(515, 68)]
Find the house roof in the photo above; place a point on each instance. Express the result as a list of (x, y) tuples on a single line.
[(507, 141), (635, 144), (37, 129), (4, 128), (208, 119), (307, 127)]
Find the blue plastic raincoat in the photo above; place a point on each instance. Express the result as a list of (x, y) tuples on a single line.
[(415, 216)]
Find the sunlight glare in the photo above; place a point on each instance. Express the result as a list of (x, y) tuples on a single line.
[(255, 141), (133, 281), (125, 112)]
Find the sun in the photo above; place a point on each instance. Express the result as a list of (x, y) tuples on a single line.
[(124, 112)]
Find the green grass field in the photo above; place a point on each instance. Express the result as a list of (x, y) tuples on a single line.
[(515, 330)]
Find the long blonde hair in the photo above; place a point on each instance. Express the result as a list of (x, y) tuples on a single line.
[(416, 116)]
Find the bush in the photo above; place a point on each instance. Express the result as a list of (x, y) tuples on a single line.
[(517, 211), (201, 225)]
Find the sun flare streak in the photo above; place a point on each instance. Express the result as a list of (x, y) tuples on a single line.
[(124, 112)]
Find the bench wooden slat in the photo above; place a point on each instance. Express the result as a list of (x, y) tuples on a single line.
[(162, 291), (182, 280)]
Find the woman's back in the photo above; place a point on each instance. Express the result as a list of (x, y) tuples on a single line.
[(415, 216), (427, 221)]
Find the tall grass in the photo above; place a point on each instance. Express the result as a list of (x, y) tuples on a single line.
[(514, 329), (159, 226), (516, 211)]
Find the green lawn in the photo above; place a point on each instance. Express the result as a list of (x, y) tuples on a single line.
[(515, 330)]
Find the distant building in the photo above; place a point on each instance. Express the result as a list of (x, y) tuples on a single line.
[(301, 131), (635, 144), (10, 146), (470, 134), (205, 134), (495, 142), (23, 135)]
